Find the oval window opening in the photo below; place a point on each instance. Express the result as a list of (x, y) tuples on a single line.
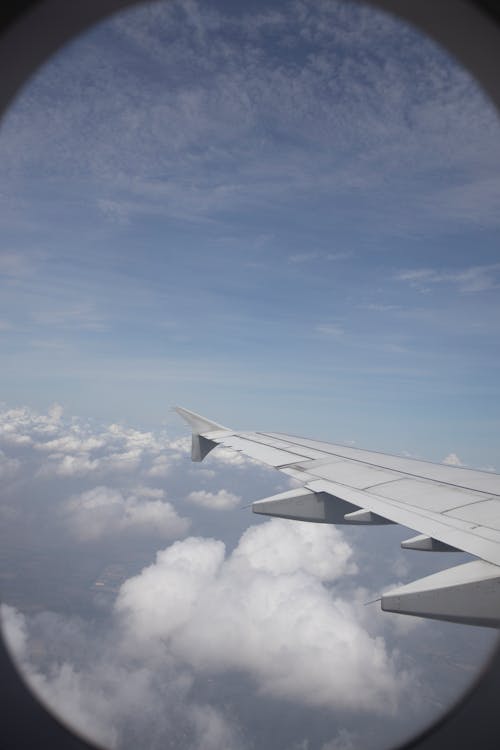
[(281, 215)]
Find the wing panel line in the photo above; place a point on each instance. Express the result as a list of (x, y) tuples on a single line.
[(462, 535), (408, 473)]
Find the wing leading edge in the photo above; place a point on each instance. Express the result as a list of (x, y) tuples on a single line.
[(452, 508)]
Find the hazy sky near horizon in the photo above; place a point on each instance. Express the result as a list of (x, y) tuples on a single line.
[(283, 216)]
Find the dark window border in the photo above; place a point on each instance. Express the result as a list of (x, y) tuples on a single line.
[(31, 31)]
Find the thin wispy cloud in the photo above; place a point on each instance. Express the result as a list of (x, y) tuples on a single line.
[(15, 264), (227, 110), (333, 330), (308, 257), (472, 279), (83, 316), (303, 257), (338, 256), (380, 307)]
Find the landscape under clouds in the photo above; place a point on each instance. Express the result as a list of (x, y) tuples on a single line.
[(283, 216)]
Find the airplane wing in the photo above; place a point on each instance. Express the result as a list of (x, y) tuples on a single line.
[(452, 508)]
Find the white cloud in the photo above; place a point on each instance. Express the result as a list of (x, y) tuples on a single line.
[(303, 257), (379, 307), (109, 694), (73, 448), (202, 472), (452, 460), (317, 550), (9, 467), (181, 445), (344, 740), (379, 113), (265, 609), (71, 443), (330, 329), (104, 511), (81, 316), (221, 500), (338, 256), (471, 279), (63, 690), (14, 264), (58, 464), (15, 631), (213, 731), (230, 457), (306, 257), (278, 611), (160, 466), (23, 426), (474, 201)]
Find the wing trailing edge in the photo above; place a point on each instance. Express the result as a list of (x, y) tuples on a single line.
[(304, 504)]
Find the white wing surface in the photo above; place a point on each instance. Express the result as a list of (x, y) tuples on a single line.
[(451, 507)]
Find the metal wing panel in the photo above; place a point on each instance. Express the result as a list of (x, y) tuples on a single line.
[(308, 453), (430, 498), (428, 494), (485, 513), (258, 449), (464, 535), (451, 507), (481, 481), (353, 474)]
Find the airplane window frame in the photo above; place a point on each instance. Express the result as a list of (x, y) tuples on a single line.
[(30, 32)]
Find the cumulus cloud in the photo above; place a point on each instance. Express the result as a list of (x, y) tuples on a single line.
[(74, 448), (452, 460), (76, 465), (221, 500), (104, 511), (95, 685), (64, 689), (97, 477), (71, 443), (275, 609), (266, 610), (160, 466), (229, 457)]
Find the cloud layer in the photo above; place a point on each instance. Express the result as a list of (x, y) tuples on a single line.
[(268, 611), (231, 622)]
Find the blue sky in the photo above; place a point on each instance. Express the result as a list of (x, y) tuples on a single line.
[(287, 218), (283, 216)]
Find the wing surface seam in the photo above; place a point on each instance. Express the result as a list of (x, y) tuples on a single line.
[(403, 515), (488, 493)]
